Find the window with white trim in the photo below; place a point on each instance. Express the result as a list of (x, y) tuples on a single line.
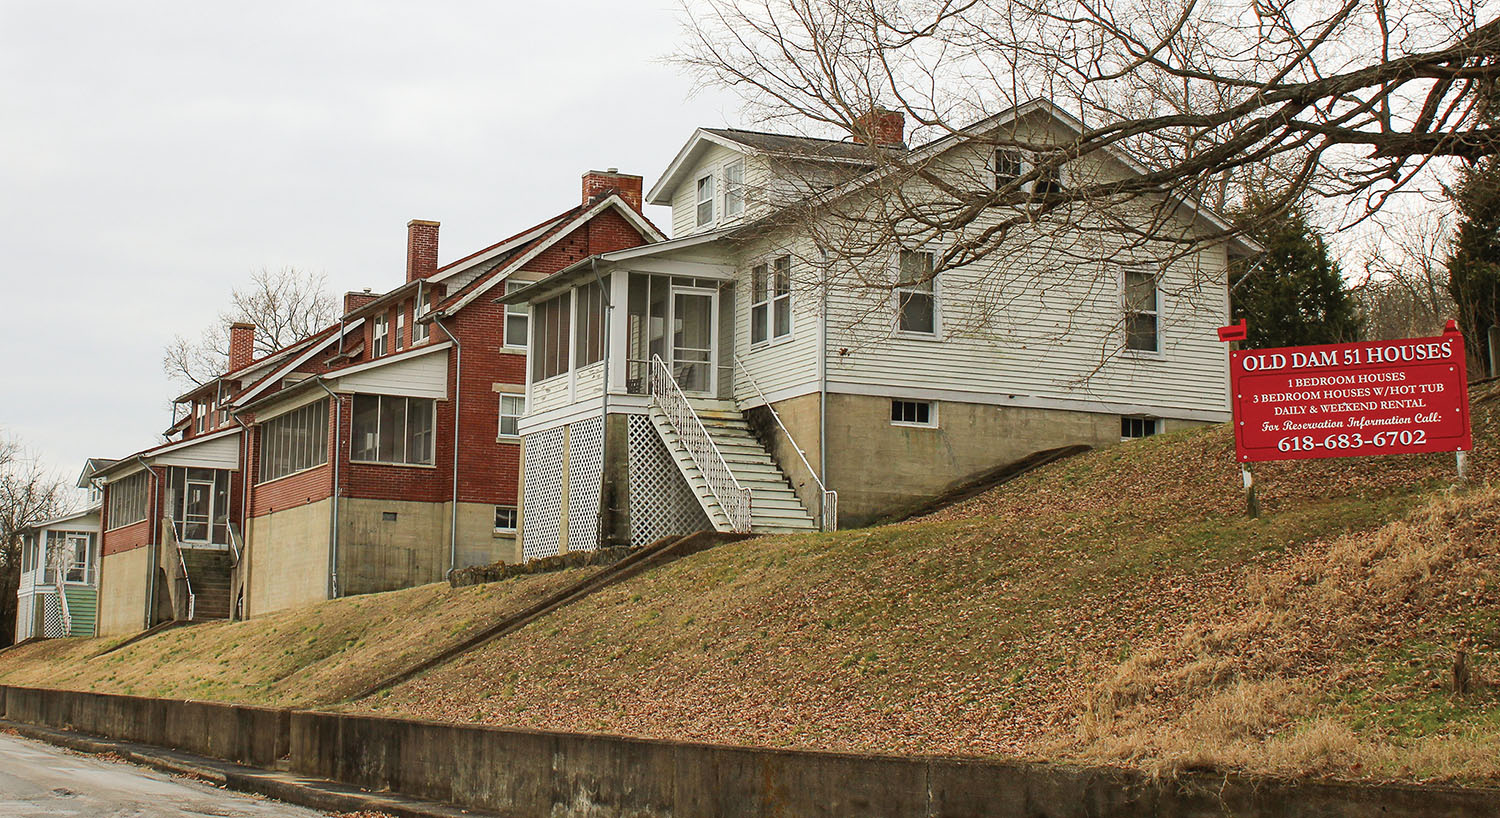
[(913, 413), (552, 334), (517, 318), (127, 500), (200, 417), (916, 294), (1142, 302), (295, 441), (734, 188), (512, 407), (1136, 427), (705, 200), (400, 327), (393, 430), (419, 329), (380, 335), (771, 300), (506, 518), (1008, 166)]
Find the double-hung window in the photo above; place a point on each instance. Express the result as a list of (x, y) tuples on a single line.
[(419, 329), (512, 407), (517, 318), (380, 335), (389, 429), (200, 417), (1008, 166), (771, 300), (400, 327), (1142, 312), (916, 294), (705, 200), (734, 188)]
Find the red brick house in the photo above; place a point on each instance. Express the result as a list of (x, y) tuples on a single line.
[(379, 453)]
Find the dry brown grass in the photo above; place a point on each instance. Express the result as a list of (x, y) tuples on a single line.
[(307, 656)]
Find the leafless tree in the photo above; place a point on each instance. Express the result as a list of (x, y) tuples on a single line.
[(29, 494), (1404, 289), (284, 305), (1339, 102)]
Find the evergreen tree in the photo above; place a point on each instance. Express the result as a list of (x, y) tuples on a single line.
[(1474, 266), (1293, 294)]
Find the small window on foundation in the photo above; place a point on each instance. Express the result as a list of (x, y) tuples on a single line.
[(913, 413), (388, 516), (505, 519), (1132, 428)]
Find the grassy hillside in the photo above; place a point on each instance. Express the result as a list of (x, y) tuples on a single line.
[(303, 657), (1117, 607), (1114, 608)]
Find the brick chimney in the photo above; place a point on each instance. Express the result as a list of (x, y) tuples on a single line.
[(353, 300), (421, 249), (241, 345), (600, 183), (886, 127)]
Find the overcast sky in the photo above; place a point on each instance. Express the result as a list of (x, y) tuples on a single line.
[(154, 154)]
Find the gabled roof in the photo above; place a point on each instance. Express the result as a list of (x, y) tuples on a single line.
[(545, 288), (93, 464), (783, 145), (308, 348), (130, 461), (502, 247), (518, 255), (948, 141)]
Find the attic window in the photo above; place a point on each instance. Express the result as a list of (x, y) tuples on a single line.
[(706, 200), (1008, 166), (734, 188)]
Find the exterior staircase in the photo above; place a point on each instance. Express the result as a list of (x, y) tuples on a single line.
[(208, 572), (774, 505)]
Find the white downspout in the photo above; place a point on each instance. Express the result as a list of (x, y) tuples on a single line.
[(458, 385), (333, 510)]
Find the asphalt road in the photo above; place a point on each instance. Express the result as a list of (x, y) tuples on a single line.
[(38, 779)]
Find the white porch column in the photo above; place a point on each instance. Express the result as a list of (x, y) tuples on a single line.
[(619, 326)]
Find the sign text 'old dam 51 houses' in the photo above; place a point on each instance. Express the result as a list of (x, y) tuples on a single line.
[(1342, 400)]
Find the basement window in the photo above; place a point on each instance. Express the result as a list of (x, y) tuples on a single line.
[(1132, 428), (388, 516), (505, 519), (913, 413)]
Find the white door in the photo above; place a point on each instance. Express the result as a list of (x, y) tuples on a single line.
[(197, 510), (695, 330)]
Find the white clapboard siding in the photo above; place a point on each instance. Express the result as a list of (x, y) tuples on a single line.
[(217, 452), (784, 365), (684, 199), (417, 376), (549, 394)]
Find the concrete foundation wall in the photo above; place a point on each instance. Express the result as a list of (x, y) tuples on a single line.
[(381, 554), (287, 559), (122, 591), (879, 468), (570, 775), (478, 544)]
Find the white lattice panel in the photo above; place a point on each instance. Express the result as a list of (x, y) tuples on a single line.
[(25, 616), (661, 502), (585, 476), (542, 495), (52, 618)]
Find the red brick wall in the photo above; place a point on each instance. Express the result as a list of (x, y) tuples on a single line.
[(126, 538)]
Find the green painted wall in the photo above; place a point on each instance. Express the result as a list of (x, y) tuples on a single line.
[(83, 605)]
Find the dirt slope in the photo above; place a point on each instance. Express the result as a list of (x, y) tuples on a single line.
[(306, 656), (1099, 609)]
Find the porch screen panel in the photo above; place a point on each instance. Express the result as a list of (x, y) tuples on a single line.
[(395, 430), (551, 337), (585, 476), (590, 340), (293, 442), (127, 500)]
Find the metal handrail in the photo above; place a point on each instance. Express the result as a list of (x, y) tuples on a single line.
[(829, 512), (61, 565), (669, 398), (234, 549), (187, 581)]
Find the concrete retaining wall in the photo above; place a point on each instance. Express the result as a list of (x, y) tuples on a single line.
[(563, 774)]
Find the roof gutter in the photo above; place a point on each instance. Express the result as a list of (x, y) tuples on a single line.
[(333, 506), (458, 385)]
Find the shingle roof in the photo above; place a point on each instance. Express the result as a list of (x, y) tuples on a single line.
[(789, 145)]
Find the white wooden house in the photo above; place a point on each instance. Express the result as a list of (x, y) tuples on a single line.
[(58, 594), (746, 375)]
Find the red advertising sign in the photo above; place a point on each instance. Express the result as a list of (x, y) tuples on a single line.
[(1346, 400)]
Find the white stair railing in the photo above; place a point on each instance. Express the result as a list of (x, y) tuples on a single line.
[(667, 396), (830, 499)]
